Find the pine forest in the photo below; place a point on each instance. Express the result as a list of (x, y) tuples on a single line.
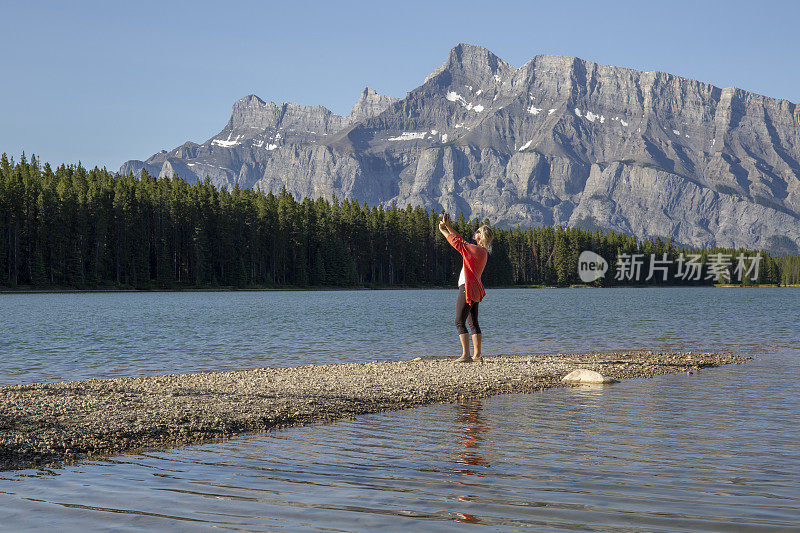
[(73, 228)]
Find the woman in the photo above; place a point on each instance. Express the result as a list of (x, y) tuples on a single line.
[(470, 288)]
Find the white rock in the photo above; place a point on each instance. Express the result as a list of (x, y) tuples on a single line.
[(586, 376)]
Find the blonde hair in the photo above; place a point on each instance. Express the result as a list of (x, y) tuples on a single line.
[(487, 236)]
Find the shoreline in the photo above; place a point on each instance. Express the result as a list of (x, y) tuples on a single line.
[(403, 288), (53, 424)]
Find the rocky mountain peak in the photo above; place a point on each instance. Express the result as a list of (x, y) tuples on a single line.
[(253, 114), (475, 63), (478, 63), (250, 99), (370, 104), (473, 56), (558, 141)]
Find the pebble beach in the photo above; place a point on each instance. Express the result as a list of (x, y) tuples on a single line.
[(51, 424)]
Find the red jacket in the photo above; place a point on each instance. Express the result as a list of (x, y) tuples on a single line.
[(474, 261)]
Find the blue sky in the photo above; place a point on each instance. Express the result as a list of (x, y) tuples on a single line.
[(104, 82)]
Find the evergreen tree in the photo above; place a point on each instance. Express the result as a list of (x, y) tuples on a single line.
[(74, 227)]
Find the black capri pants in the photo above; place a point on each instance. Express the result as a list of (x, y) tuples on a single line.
[(466, 313)]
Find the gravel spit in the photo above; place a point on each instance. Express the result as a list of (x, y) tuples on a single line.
[(51, 424)]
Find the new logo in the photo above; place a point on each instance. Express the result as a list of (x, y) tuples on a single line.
[(591, 266)]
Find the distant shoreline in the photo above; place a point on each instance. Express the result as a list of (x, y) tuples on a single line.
[(51, 424), (300, 289)]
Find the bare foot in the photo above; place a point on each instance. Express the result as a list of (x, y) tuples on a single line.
[(477, 358), (464, 359)]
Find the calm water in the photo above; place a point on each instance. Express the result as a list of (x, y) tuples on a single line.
[(716, 450), (56, 337)]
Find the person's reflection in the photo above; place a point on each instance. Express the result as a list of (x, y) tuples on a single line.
[(472, 426)]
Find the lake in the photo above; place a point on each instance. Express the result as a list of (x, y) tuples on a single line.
[(716, 450)]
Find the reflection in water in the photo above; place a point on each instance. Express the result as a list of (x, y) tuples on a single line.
[(716, 450), (713, 451), (473, 426)]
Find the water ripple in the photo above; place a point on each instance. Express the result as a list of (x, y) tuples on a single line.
[(713, 451), (56, 337)]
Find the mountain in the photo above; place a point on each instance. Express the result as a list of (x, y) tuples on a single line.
[(558, 140)]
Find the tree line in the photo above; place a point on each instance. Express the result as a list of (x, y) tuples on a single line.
[(87, 229)]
